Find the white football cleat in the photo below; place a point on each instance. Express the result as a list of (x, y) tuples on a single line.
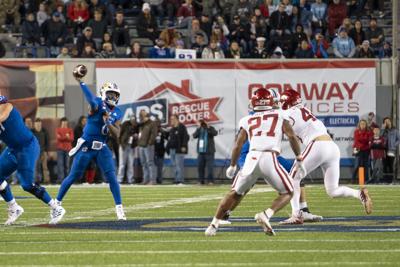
[(224, 222), (293, 220), (120, 213), (262, 219), (13, 214), (309, 217), (56, 214), (211, 230), (366, 200)]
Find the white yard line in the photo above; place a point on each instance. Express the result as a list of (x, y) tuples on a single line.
[(222, 251), (208, 241), (144, 206)]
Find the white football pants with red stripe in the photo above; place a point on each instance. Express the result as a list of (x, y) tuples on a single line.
[(262, 164), (324, 154)]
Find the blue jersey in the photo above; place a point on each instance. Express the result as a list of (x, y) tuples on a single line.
[(13, 131), (96, 128)]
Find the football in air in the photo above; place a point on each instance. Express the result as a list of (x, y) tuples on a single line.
[(79, 71)]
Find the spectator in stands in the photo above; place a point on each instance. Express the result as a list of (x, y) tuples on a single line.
[(377, 145), (42, 15), (343, 46), (267, 7), (170, 8), (319, 10), (386, 50), (9, 12), (242, 8), (304, 51), (288, 7), (278, 53), (357, 33), (205, 134), (30, 31), (234, 51), (365, 51), (136, 51), (88, 51), (219, 36), (260, 51), (256, 30), (305, 19), (375, 36), (169, 35), (64, 53), (347, 24), (226, 8), (99, 26), (160, 50), (205, 24), (65, 137), (28, 123), (60, 9), (319, 45), (284, 41), (106, 52), (199, 45), (279, 21), (127, 142), (85, 39), (213, 51), (371, 121), (240, 32), (185, 14), (96, 5), (298, 36), (195, 30), (337, 12), (78, 14), (220, 22), (177, 147), (55, 33), (361, 149), (120, 33), (147, 24), (2, 50), (147, 137), (42, 173), (159, 147), (107, 38), (392, 138)]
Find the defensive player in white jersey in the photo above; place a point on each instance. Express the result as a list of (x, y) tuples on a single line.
[(264, 131), (320, 151)]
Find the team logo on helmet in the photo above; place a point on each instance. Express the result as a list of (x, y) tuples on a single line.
[(262, 100)]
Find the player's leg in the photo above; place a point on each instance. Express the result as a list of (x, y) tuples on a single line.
[(331, 171), (26, 163), (305, 211), (8, 165), (241, 185), (280, 180), (106, 163)]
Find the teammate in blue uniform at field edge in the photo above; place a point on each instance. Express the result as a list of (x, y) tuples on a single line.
[(104, 118), (20, 155)]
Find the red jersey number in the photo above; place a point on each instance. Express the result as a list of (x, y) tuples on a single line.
[(255, 124), (307, 115)]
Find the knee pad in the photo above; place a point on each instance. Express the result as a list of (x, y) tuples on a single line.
[(36, 190)]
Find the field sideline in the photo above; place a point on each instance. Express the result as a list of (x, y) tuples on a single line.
[(166, 225)]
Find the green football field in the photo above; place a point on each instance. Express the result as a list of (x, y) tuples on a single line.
[(166, 226)]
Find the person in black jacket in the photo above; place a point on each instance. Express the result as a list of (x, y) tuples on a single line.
[(54, 32), (177, 147), (206, 150), (42, 173), (304, 51), (147, 24), (279, 20), (159, 147), (30, 30)]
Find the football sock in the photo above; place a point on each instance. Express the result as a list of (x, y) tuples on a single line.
[(215, 222), (269, 212)]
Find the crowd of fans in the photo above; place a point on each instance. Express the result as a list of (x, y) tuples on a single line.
[(375, 149), (213, 28)]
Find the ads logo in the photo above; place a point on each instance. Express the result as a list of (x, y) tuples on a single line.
[(168, 99)]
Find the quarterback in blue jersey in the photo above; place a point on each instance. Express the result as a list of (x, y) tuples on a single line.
[(104, 118), (20, 155)]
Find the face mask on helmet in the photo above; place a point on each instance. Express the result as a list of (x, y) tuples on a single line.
[(110, 93)]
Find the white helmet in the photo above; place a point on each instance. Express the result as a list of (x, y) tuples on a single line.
[(109, 87)]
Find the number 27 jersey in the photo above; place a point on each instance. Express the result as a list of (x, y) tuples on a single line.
[(264, 129), (305, 125)]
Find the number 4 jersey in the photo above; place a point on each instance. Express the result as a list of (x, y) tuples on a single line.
[(264, 129), (305, 125)]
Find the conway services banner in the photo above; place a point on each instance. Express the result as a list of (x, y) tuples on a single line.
[(337, 92)]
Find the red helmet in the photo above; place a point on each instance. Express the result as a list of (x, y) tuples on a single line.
[(262, 100), (290, 98)]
